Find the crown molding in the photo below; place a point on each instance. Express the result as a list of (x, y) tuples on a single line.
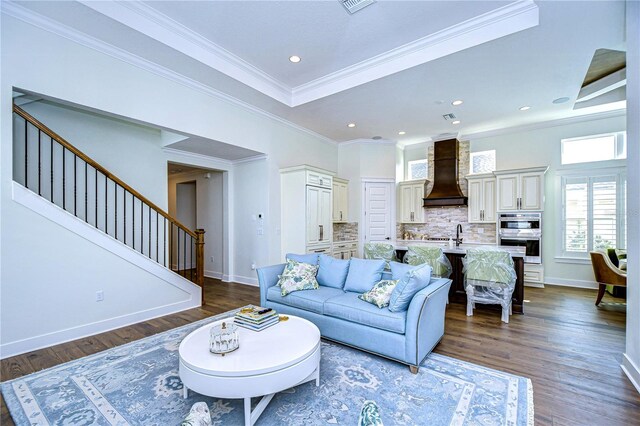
[(258, 157), (28, 16), (419, 145), (222, 161), (509, 19), (492, 25), (545, 124), (152, 23), (367, 142)]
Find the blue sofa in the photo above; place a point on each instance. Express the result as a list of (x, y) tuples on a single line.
[(407, 337)]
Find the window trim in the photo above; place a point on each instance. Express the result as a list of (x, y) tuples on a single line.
[(620, 147), (476, 153), (589, 172), (411, 162)]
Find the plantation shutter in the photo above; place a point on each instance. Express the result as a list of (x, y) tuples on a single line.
[(604, 189), (576, 220)]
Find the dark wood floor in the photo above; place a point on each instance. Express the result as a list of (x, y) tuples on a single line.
[(569, 348)]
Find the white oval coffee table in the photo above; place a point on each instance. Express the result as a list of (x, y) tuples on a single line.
[(269, 361)]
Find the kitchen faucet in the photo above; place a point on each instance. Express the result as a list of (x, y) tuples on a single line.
[(458, 238)]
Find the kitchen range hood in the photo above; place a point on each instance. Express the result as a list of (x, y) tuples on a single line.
[(446, 190)]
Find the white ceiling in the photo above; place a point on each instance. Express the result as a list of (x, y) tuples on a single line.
[(515, 64), (322, 33)]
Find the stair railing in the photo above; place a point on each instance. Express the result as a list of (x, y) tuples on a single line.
[(50, 166)]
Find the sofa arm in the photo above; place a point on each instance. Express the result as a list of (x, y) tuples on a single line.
[(425, 320), (268, 277)]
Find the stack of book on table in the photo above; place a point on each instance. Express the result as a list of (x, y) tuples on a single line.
[(256, 318)]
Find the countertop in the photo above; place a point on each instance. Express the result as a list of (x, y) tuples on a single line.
[(462, 249)]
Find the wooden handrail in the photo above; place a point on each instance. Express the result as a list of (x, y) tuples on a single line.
[(53, 135)]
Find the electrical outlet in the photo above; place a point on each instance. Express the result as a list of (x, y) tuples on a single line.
[(480, 230), (211, 259), (253, 266), (99, 296), (260, 231)]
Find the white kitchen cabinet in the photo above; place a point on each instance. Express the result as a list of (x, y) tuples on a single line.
[(482, 198), (319, 228), (345, 249), (340, 200), (411, 194), (533, 275), (306, 210), (521, 189)]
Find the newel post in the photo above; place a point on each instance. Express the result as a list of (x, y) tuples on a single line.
[(200, 261)]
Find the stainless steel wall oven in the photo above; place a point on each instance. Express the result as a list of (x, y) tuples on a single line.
[(522, 230)]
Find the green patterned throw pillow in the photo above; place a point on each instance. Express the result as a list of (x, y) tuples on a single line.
[(370, 415), (380, 294), (297, 276)]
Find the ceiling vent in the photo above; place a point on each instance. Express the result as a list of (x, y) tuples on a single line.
[(353, 6), (450, 116)]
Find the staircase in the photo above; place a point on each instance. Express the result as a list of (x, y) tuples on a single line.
[(51, 167)]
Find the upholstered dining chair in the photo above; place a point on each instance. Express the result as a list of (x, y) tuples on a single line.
[(489, 277), (606, 273), (382, 251), (433, 256)]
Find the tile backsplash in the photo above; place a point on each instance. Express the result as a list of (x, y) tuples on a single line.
[(442, 222), (345, 231)]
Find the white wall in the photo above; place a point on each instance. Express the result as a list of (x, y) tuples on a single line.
[(103, 138), (414, 152), (361, 159), (631, 360), (349, 168), (209, 197), (541, 147), (41, 62), (252, 199)]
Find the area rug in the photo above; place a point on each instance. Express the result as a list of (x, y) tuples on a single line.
[(138, 384)]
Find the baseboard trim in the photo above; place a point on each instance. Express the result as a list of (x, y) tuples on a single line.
[(571, 283), (213, 274), (62, 336), (631, 370), (534, 285), (240, 280)]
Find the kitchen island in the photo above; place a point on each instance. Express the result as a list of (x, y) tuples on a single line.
[(457, 293)]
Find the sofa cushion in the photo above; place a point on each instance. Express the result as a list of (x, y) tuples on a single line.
[(308, 300), (398, 270), (363, 274), (412, 282), (380, 294), (350, 308), (297, 276), (311, 258), (332, 272)]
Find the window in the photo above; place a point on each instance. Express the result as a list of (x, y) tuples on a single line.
[(482, 162), (611, 146), (594, 212), (417, 169)]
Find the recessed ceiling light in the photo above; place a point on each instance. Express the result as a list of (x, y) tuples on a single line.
[(560, 100), (456, 103), (455, 122), (402, 132), (524, 108), (351, 125), (295, 59)]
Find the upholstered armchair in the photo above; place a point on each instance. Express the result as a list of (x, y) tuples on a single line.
[(606, 273)]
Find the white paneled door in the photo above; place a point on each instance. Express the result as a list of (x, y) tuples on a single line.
[(378, 212)]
